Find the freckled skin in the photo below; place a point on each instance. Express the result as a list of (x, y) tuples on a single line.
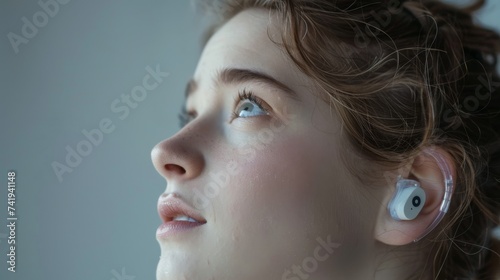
[(293, 190)]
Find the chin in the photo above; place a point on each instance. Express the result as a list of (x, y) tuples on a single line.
[(171, 271)]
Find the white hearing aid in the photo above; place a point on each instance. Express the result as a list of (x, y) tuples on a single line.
[(409, 199)]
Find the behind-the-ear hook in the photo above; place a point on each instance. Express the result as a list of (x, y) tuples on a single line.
[(448, 185)]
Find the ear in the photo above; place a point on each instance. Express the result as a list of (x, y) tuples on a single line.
[(425, 170)]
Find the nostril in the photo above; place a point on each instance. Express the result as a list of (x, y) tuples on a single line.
[(175, 168)]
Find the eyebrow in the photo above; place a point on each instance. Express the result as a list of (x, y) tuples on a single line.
[(236, 76)]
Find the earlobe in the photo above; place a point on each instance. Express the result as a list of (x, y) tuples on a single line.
[(434, 170)]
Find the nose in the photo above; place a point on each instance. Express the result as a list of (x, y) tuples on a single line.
[(177, 158)]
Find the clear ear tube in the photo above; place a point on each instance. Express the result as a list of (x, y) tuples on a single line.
[(448, 184)]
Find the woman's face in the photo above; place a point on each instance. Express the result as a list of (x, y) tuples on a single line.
[(278, 201)]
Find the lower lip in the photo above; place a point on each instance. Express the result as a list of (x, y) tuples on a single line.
[(172, 228)]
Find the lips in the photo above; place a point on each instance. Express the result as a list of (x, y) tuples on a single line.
[(173, 207), (180, 220)]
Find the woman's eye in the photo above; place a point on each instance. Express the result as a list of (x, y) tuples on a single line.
[(246, 103), (250, 107), (185, 117)]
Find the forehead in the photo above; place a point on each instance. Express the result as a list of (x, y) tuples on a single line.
[(245, 42)]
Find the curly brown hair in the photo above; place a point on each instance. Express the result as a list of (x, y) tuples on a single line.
[(404, 75)]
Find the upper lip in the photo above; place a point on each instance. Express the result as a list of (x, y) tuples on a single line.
[(171, 207)]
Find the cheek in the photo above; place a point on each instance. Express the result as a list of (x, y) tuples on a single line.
[(297, 185), (276, 188), (285, 194), (268, 204)]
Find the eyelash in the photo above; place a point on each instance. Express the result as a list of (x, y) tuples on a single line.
[(248, 95), (184, 116)]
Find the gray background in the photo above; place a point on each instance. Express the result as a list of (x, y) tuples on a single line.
[(100, 221)]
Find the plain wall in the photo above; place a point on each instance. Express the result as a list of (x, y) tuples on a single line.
[(99, 222)]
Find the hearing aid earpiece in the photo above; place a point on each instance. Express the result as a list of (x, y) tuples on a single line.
[(408, 200)]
